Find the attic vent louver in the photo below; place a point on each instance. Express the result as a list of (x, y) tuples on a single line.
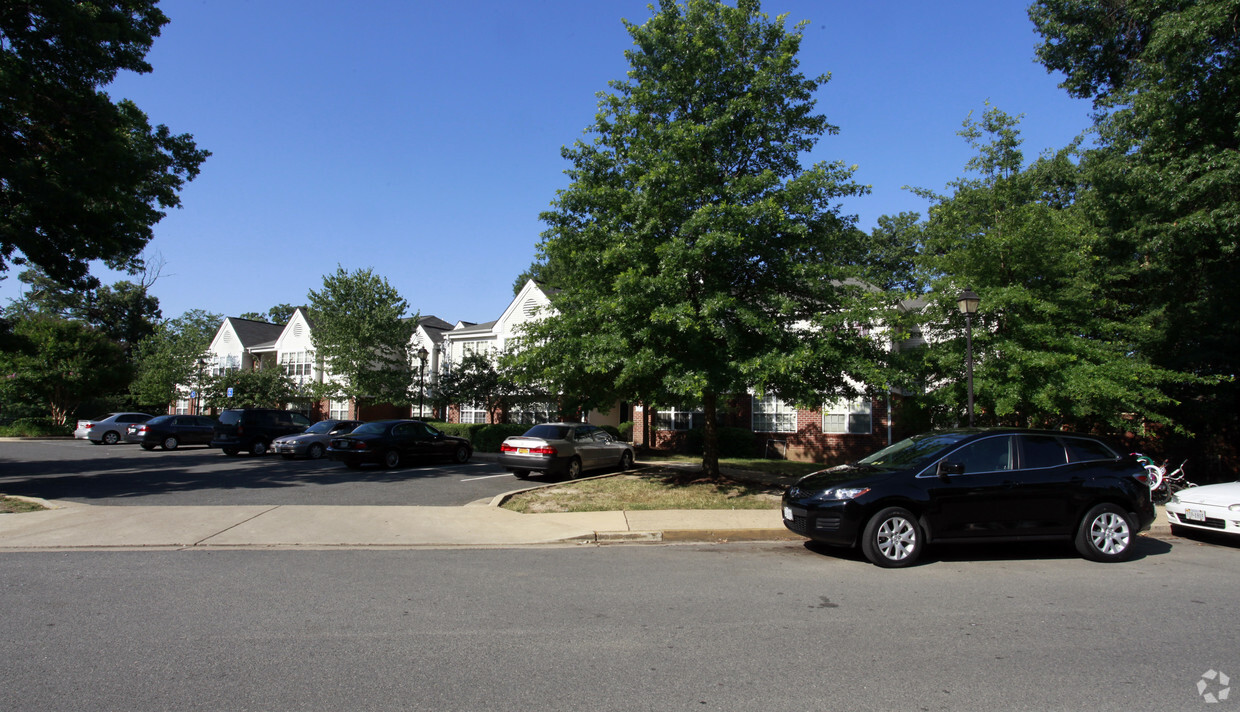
[(227, 337), (297, 329), (530, 306)]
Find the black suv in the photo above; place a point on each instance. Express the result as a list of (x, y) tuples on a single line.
[(253, 429), (976, 485)]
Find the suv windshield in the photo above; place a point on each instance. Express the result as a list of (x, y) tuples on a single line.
[(230, 417), (913, 453)]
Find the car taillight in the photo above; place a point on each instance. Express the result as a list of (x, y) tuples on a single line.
[(1143, 478), (544, 450), (240, 429), (141, 428), (507, 448)]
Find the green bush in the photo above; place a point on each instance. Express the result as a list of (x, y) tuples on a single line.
[(626, 431), (490, 437), (613, 430), (34, 428)]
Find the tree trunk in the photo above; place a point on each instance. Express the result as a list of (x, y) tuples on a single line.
[(710, 435)]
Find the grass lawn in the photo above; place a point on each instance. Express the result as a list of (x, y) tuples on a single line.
[(663, 485), (13, 505)]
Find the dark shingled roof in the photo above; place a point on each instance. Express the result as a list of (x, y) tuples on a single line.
[(255, 333)]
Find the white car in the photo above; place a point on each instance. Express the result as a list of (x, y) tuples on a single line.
[(1212, 508), (107, 429)]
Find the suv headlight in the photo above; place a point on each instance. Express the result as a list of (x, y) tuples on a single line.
[(843, 493)]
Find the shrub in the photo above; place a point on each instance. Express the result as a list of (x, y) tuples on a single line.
[(35, 427), (626, 431), (490, 437)]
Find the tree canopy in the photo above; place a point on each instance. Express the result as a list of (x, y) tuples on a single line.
[(693, 254), (1048, 351), (81, 177), (1161, 184), (60, 363), (361, 333), (168, 358)]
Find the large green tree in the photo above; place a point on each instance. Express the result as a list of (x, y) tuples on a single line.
[(363, 336), (1047, 348), (255, 388), (170, 357), (695, 256), (82, 177), (126, 311), (279, 314), (59, 364), (1161, 184)]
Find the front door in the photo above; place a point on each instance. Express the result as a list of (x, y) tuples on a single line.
[(981, 502)]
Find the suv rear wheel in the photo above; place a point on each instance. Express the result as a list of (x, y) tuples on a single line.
[(1106, 534), (258, 447)]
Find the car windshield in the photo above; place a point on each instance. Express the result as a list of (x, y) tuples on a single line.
[(159, 419), (371, 429), (323, 426), (547, 432), (913, 453)]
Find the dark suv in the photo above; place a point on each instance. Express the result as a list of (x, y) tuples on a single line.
[(977, 485), (253, 429)]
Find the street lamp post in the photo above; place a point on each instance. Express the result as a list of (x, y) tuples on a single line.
[(967, 302), (422, 354), (202, 363)]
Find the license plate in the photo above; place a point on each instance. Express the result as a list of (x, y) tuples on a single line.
[(1195, 515), (523, 451), (788, 513)]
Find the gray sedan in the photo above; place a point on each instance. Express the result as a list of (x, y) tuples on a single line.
[(564, 449), (313, 442)]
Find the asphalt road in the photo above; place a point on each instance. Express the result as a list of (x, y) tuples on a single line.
[(768, 627), (127, 475)]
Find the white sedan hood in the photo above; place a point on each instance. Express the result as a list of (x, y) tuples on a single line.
[(1222, 495)]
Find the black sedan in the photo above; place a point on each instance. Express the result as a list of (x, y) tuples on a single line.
[(976, 485), (391, 442), (171, 431)]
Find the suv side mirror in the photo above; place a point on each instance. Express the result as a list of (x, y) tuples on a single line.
[(946, 469)]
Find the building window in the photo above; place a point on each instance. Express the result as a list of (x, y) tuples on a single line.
[(182, 407), (848, 416), (472, 413), (772, 415), (534, 413), (298, 364), (476, 347), (219, 365), (338, 409), (678, 419)]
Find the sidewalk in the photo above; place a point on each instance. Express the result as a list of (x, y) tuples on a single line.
[(81, 526)]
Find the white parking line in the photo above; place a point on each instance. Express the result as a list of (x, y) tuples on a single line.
[(488, 477)]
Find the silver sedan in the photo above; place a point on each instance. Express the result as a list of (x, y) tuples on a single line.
[(564, 448), (313, 442)]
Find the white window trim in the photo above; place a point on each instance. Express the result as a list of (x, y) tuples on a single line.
[(770, 410), (845, 417)]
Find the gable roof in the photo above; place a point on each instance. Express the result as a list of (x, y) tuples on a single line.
[(255, 334)]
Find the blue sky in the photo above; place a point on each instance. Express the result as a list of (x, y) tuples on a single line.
[(423, 139)]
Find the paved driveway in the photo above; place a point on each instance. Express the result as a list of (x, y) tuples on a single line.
[(127, 475)]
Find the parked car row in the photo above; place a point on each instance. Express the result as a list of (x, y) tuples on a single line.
[(291, 435)]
